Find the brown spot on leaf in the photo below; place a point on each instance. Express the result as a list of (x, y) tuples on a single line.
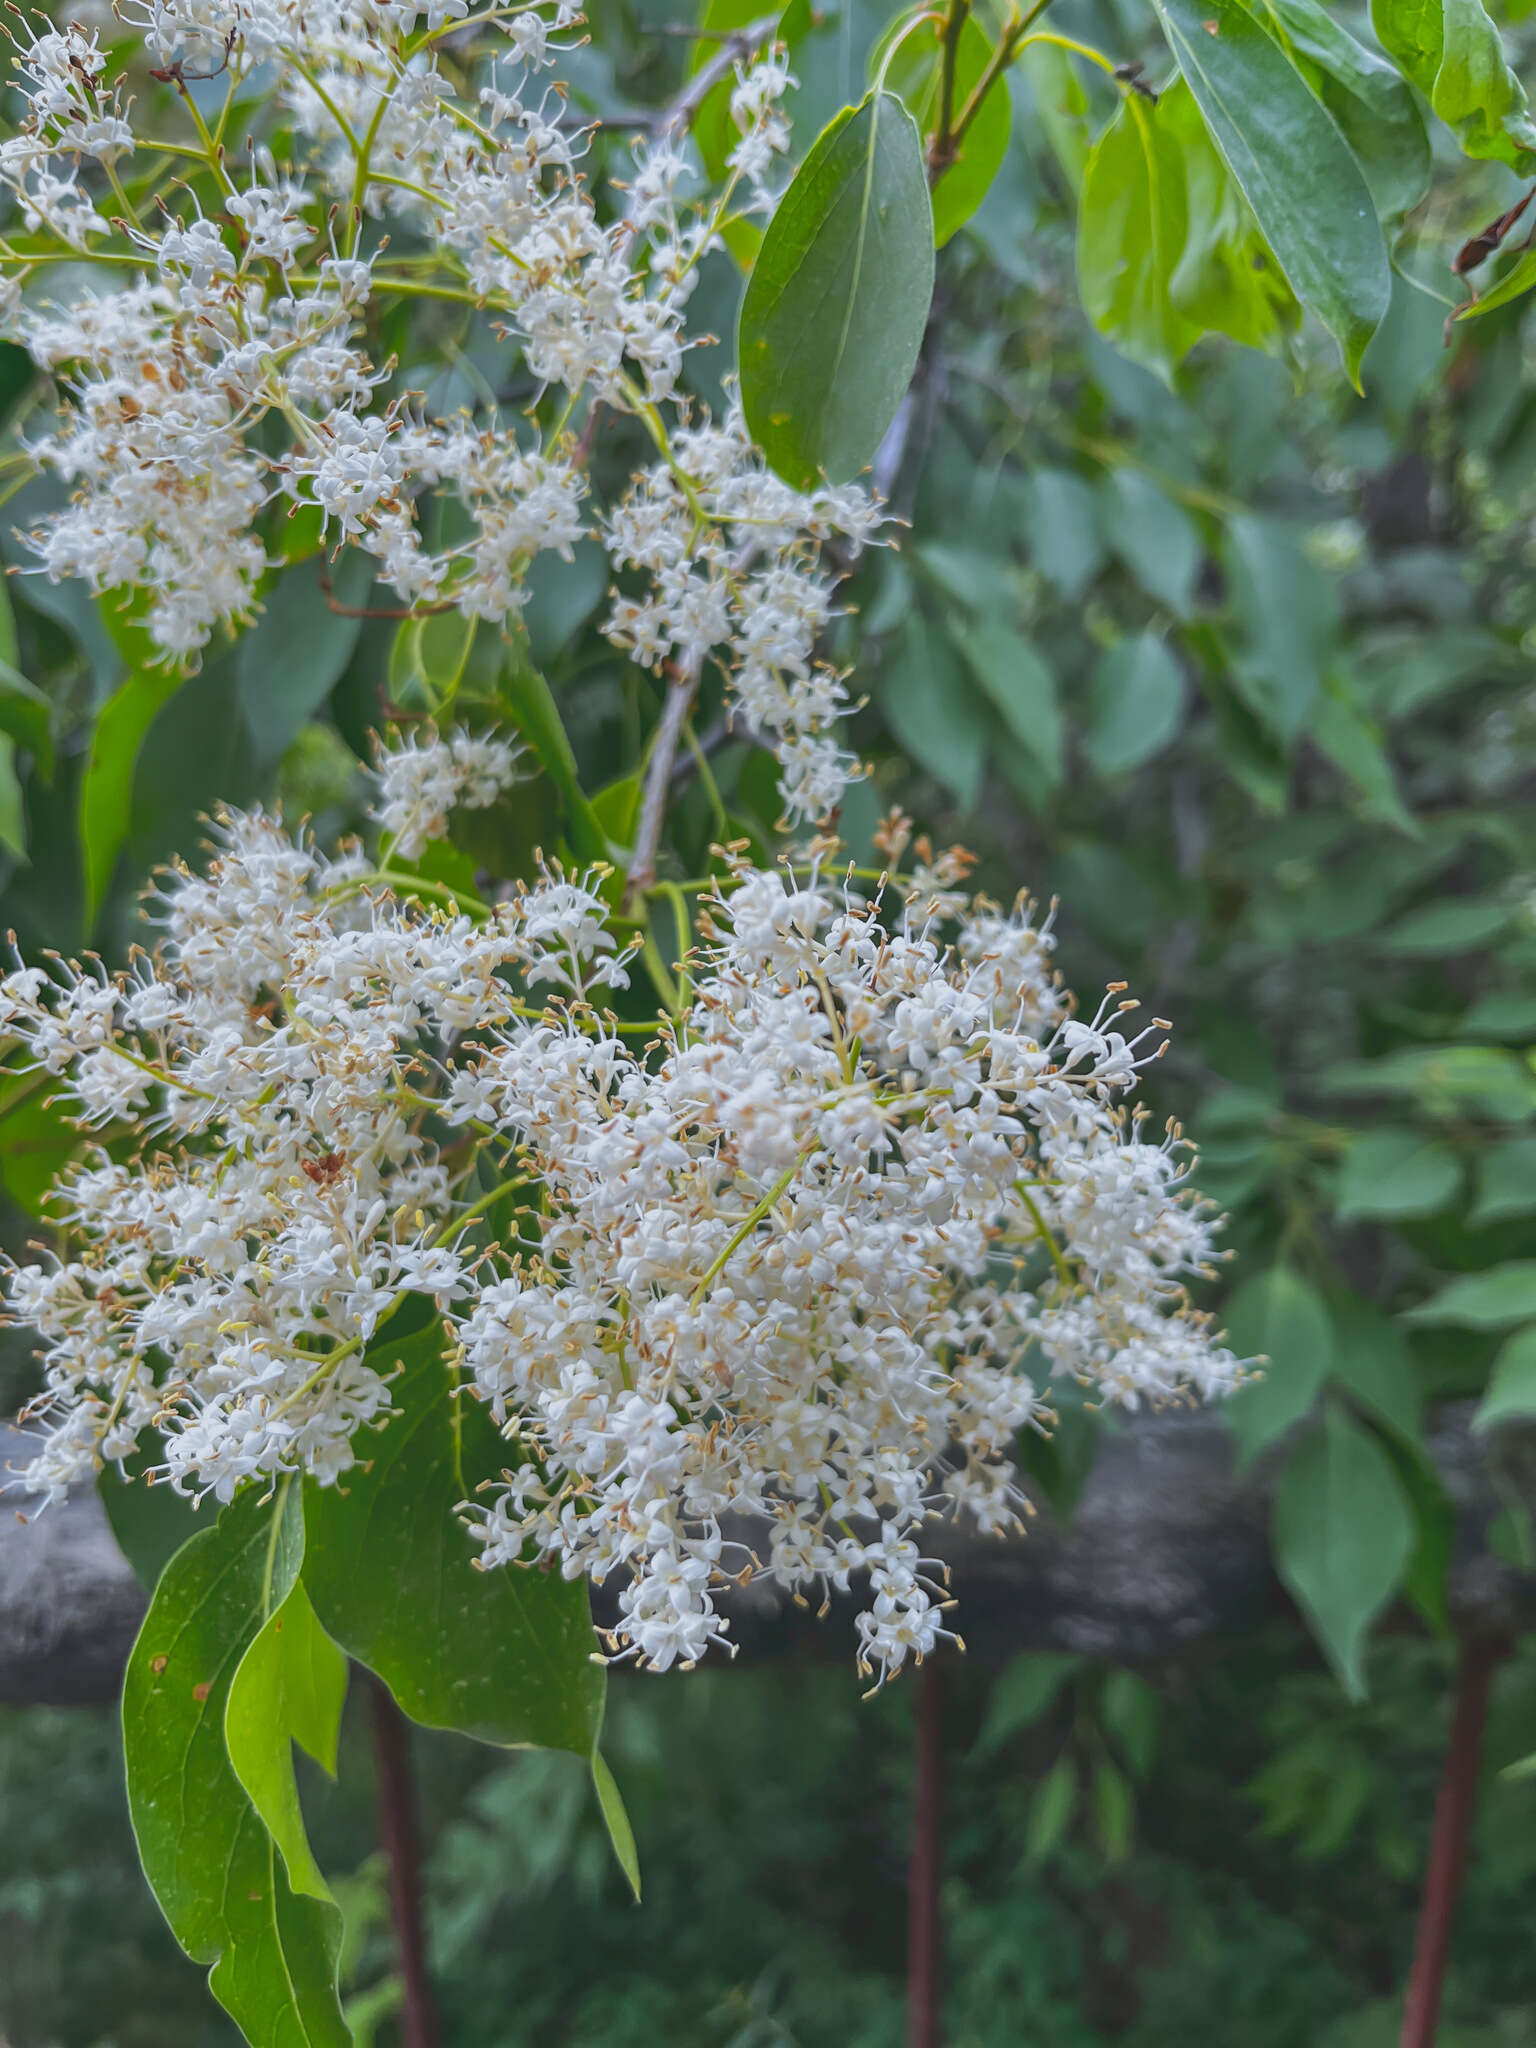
[(201, 1692), (158, 1664)]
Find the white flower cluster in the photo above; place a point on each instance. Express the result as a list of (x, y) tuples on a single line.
[(422, 781), (215, 361), (801, 1257)]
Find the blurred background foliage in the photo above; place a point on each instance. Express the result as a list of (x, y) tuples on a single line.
[(1241, 666)]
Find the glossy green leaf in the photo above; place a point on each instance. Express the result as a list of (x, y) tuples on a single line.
[(1226, 279), (106, 789), (151, 1523), (1514, 284), (1452, 51), (1484, 1301), (504, 1655), (616, 1820), (288, 1689), (212, 1864), (533, 710), (835, 309), (1019, 685), (915, 74), (1295, 169), (1132, 225), (1376, 112), (1343, 1532), (1511, 1395), (1506, 1183), (1392, 1173), (1135, 704), (1279, 1317)]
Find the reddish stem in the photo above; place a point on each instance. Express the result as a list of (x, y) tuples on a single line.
[(1454, 1808), (925, 1870), (402, 1848)]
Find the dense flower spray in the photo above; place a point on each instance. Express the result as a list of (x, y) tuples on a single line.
[(758, 1286), (799, 1252), (216, 362)]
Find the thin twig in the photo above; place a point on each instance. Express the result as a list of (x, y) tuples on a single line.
[(925, 1868), (402, 1849), (1448, 1846)]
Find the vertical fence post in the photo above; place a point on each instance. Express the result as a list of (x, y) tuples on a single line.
[(1454, 1806), (402, 1849), (925, 1868)]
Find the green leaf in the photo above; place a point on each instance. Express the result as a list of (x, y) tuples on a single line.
[(1025, 1691), (1288, 611), (1131, 1714), (26, 714), (1226, 278), (1061, 524), (1451, 50), (290, 660), (1295, 169), (533, 710), (1372, 1362), (1484, 1301), (1444, 1080), (1376, 112), (288, 1689), (1114, 1810), (1132, 225), (1019, 684), (212, 1864), (1391, 1173), (1343, 1532), (1511, 1394), (1135, 704), (106, 789), (1061, 107), (620, 1833), (1506, 1183), (1154, 537), (503, 1655), (1514, 284), (1356, 746), (1279, 1317), (834, 311), (923, 697), (915, 75), (151, 1523), (1051, 1811), (1444, 929), (38, 1139)]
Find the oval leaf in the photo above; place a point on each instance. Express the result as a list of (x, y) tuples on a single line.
[(1295, 169), (916, 75), (834, 312), (504, 1655), (1277, 1316), (1343, 1533)]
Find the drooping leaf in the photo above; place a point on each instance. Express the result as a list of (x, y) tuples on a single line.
[(1023, 1693), (503, 1655), (834, 312), (1389, 1173), (106, 789), (1051, 1811), (1484, 1301), (1376, 112), (1452, 51), (1311, 201), (1514, 284), (211, 1862), (1287, 610), (288, 1689), (616, 1820), (1135, 704), (533, 710), (1277, 1316), (1357, 747), (915, 75), (1061, 525), (1511, 1394), (1342, 1531), (1132, 225)]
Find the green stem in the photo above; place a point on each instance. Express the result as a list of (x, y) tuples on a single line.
[(748, 1224)]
